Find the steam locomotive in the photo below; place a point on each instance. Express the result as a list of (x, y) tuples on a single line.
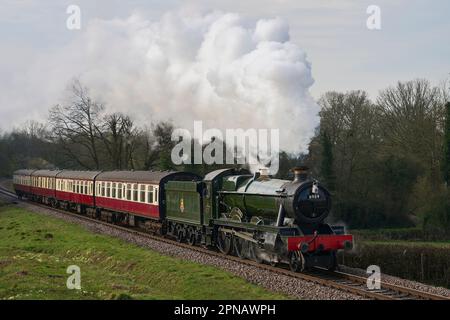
[(250, 215)]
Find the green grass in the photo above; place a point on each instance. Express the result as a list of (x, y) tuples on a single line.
[(35, 251)]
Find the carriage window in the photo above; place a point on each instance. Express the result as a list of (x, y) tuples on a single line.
[(156, 195), (149, 194), (103, 189), (142, 193), (113, 190), (135, 192), (128, 191), (119, 191), (84, 187), (108, 189)]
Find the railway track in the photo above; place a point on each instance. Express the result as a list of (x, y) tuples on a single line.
[(338, 280)]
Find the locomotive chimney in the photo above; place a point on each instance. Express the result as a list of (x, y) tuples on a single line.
[(300, 173), (264, 172)]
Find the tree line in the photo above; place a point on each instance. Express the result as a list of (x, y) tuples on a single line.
[(386, 162)]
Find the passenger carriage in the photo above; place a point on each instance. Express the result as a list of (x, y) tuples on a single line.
[(135, 197), (75, 189), (43, 185), (22, 182)]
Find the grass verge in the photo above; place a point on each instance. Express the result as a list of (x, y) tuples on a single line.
[(35, 251)]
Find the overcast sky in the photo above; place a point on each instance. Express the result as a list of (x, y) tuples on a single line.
[(414, 41)]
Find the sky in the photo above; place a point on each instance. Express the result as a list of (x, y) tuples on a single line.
[(39, 54)]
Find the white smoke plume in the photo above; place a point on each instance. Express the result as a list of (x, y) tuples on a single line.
[(217, 67)]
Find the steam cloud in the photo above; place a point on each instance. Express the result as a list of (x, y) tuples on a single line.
[(217, 67)]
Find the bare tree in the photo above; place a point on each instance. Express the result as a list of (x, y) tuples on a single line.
[(75, 127), (413, 121), (120, 138)]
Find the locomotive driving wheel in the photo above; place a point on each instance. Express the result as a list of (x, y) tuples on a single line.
[(296, 261), (224, 242), (241, 247), (255, 253), (191, 237)]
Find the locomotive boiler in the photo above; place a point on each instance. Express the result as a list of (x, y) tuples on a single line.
[(301, 201)]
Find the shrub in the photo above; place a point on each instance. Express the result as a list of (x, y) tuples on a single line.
[(429, 264)]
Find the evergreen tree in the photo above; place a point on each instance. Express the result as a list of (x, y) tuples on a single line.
[(446, 162)]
